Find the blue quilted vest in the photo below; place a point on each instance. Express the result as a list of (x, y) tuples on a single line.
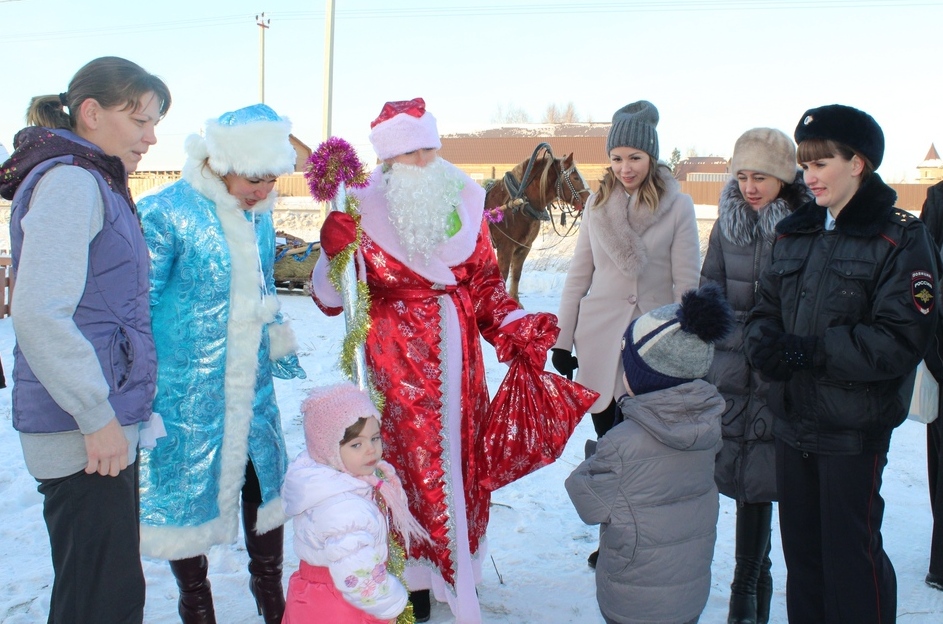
[(113, 314)]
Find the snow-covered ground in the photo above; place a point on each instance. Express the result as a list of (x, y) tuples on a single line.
[(537, 570)]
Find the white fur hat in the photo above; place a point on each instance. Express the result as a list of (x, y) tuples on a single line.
[(402, 127), (251, 141), (765, 150)]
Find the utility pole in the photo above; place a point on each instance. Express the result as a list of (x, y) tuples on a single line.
[(328, 70), (263, 25)]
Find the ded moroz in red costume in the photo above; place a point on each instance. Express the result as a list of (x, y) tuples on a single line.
[(424, 355)]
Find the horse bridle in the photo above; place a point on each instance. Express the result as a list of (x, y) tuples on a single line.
[(517, 189)]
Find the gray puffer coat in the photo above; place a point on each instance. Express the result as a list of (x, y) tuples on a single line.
[(651, 486), (738, 251)]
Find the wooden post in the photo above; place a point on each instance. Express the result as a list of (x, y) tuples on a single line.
[(6, 284)]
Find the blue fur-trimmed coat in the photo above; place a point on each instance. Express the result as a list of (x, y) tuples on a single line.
[(216, 338)]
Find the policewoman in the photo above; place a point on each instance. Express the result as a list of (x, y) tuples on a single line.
[(845, 312)]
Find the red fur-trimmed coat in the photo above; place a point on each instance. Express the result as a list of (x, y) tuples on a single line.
[(424, 353)]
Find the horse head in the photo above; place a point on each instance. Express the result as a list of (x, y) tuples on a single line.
[(570, 185)]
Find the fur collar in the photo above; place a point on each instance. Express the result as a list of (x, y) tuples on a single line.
[(740, 224), (376, 224), (620, 223), (864, 216), (238, 228)]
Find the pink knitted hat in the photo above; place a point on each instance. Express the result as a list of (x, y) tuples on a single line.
[(402, 127), (328, 411)]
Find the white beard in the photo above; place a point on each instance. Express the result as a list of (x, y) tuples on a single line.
[(420, 200)]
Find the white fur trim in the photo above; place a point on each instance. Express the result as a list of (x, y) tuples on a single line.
[(282, 340), (271, 516), (255, 149), (170, 543), (403, 134)]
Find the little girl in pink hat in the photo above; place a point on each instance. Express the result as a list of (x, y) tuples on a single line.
[(342, 495)]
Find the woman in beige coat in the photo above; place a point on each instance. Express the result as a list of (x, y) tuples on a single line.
[(637, 250)]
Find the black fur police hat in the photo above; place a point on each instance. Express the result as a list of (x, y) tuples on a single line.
[(846, 125)]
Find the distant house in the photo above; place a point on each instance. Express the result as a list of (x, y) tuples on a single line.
[(702, 169), (302, 152), (931, 169), (489, 154)]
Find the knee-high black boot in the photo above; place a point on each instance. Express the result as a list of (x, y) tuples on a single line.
[(764, 588), (265, 565), (753, 528), (195, 605)]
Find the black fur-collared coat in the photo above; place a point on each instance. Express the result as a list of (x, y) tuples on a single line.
[(869, 291), (737, 252)]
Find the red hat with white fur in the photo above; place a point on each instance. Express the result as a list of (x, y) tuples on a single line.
[(402, 127)]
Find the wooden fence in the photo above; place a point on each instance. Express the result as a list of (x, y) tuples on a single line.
[(909, 196), (291, 185)]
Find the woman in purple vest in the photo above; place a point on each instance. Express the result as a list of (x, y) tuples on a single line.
[(84, 361)]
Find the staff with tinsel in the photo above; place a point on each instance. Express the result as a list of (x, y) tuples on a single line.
[(330, 169)]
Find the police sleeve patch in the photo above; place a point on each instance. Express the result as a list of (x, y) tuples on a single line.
[(921, 288)]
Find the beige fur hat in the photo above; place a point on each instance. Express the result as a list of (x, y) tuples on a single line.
[(765, 150)]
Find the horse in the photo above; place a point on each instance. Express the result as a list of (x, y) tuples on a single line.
[(516, 205)]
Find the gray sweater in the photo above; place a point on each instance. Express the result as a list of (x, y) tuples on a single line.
[(65, 214)]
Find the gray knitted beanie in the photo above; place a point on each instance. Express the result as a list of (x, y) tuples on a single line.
[(633, 125)]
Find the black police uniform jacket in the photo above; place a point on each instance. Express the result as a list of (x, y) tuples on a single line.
[(868, 290)]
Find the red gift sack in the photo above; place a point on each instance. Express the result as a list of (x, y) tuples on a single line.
[(534, 412)]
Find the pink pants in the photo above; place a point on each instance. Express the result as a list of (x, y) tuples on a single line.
[(312, 597)]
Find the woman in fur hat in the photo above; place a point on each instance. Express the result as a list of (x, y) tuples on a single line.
[(220, 339), (766, 186), (637, 250), (844, 314)]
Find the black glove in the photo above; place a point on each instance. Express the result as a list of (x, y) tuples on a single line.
[(799, 352), (768, 357), (564, 361)]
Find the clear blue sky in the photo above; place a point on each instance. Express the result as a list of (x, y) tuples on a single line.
[(714, 68)]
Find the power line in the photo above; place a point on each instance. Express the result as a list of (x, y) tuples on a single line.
[(509, 9)]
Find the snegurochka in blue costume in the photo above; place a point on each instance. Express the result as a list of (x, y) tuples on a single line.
[(220, 339)]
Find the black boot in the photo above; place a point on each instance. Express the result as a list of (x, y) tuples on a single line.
[(753, 529), (422, 605), (195, 605), (265, 565), (764, 595)]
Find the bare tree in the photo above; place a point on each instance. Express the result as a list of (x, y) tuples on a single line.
[(509, 114), (569, 113), (552, 115), (555, 114)]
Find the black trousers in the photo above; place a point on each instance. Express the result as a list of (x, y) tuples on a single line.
[(935, 479), (94, 536), (830, 515)]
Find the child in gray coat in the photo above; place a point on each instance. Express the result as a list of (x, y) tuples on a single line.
[(650, 483)]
